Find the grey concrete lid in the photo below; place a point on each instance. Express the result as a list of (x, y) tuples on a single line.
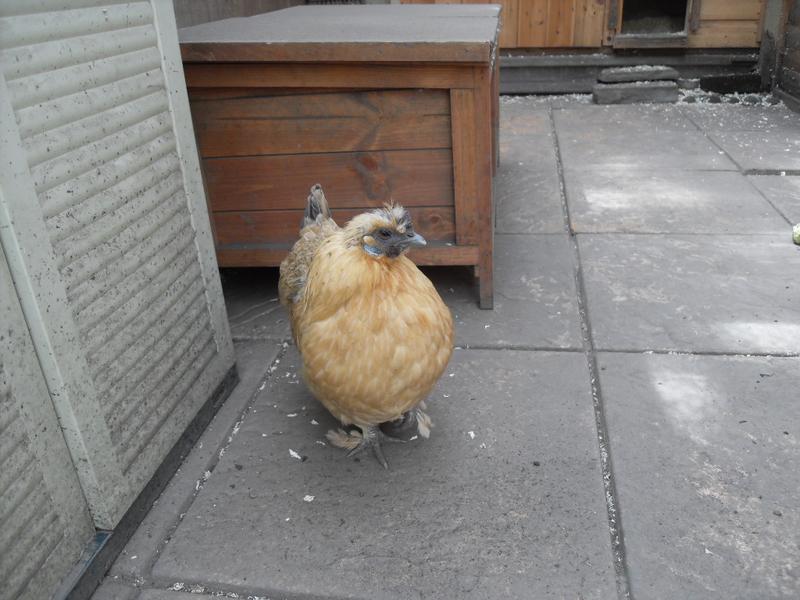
[(351, 33)]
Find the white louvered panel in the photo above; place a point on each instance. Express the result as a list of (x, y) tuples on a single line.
[(152, 395), (44, 87), (70, 137), (105, 304), (117, 219), (107, 277), (118, 245), (89, 210), (69, 194), (102, 120), (37, 28), (42, 58), (116, 377), (44, 522), (153, 425)]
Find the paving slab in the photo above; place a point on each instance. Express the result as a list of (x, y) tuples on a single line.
[(505, 500), (527, 187), (254, 312), (663, 201), (535, 299), (761, 150), (628, 149), (253, 360), (783, 192), (706, 453), (725, 117), (114, 590), (523, 116), (722, 293), (635, 119)]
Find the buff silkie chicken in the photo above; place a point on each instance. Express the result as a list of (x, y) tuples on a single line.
[(372, 331)]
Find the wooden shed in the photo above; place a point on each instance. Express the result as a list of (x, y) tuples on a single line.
[(624, 24)]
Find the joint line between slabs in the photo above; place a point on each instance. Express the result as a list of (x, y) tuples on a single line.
[(609, 485)]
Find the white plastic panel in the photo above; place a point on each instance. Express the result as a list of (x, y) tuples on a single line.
[(44, 520), (109, 233)]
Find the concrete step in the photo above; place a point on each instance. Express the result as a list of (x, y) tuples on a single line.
[(637, 73), (635, 92)]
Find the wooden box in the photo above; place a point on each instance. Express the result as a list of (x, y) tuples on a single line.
[(376, 103)]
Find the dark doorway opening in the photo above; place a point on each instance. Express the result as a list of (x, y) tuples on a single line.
[(645, 17)]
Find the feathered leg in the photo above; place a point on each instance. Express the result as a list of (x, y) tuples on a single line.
[(370, 437), (414, 420)]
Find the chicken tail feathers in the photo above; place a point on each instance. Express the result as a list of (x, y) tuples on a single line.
[(317, 208)]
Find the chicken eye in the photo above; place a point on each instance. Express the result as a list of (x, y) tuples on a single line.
[(384, 233), (410, 233)]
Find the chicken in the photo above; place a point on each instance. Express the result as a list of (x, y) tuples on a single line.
[(372, 331)]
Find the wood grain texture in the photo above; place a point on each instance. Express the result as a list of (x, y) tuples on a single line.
[(589, 23), (350, 179), (341, 122), (726, 34), (282, 226), (532, 29), (269, 75), (731, 10), (271, 255), (465, 164)]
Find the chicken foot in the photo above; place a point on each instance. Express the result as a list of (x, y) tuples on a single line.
[(370, 437)]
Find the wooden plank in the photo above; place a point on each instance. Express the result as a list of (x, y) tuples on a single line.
[(435, 223), (255, 255), (560, 23), (350, 179), (268, 75), (731, 10), (589, 23), (361, 121), (725, 34), (483, 175), (354, 105), (533, 24), (510, 20), (465, 164)]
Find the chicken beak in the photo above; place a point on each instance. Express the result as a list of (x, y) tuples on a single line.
[(417, 240)]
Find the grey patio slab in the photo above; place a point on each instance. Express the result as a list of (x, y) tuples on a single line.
[(724, 117), (535, 299), (523, 116), (638, 118), (505, 500), (663, 201), (251, 295), (114, 590), (783, 192), (761, 150), (705, 452), (527, 189), (723, 293), (627, 148), (253, 359)]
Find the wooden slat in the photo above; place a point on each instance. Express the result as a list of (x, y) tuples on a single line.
[(362, 121), (730, 10), (255, 255), (560, 23), (465, 165), (532, 32), (334, 104), (325, 76), (282, 226), (510, 18), (350, 179), (589, 23), (725, 34)]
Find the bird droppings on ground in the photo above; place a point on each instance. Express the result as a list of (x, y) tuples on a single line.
[(308, 498), (291, 415), (294, 454), (314, 422), (320, 442), (471, 435)]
